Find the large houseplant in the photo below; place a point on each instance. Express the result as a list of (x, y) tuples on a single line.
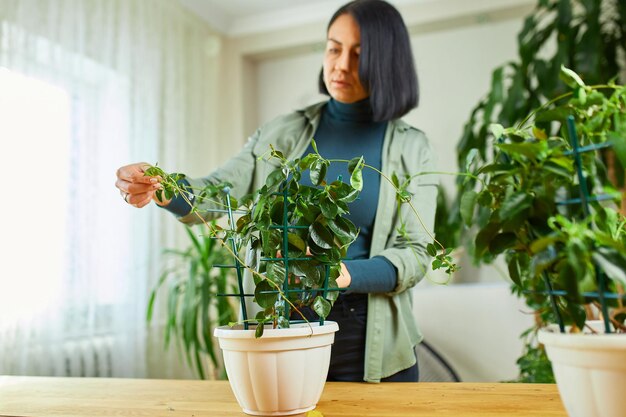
[(190, 283), (565, 248), (588, 36)]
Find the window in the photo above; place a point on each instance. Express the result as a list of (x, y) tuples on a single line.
[(35, 127)]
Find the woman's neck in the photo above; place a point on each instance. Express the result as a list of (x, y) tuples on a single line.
[(360, 111)]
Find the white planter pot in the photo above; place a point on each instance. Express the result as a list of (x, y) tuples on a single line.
[(590, 370), (282, 372)]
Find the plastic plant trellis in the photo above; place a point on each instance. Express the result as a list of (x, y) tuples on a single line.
[(235, 245), (602, 295)]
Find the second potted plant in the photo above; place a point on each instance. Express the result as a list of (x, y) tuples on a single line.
[(547, 203)]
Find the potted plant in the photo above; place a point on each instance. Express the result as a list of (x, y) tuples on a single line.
[(586, 36), (295, 237), (190, 281), (288, 242), (546, 202)]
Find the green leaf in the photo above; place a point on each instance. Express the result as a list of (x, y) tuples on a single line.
[(296, 241), (576, 313), (484, 236), (468, 202), (485, 198), (275, 178), (258, 332), (276, 272), (550, 115), (619, 146), (403, 196), (329, 208), (306, 269), (502, 242), (539, 133), (612, 263), (581, 94), (570, 78), (469, 159), (542, 243), (259, 208), (320, 235), (150, 306), (314, 146), (307, 161), (516, 264), (567, 278), (355, 169), (497, 130), (576, 256), (271, 240), (276, 153), (263, 299), (431, 249), (515, 222), (340, 191), (558, 169), (544, 259), (514, 204), (354, 163), (395, 181), (531, 150), (321, 306), (277, 210), (318, 171), (344, 229), (351, 196)]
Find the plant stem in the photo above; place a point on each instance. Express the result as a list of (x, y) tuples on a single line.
[(521, 124)]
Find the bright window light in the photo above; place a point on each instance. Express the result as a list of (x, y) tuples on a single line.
[(35, 129)]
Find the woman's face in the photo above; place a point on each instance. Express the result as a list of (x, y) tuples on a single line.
[(341, 61)]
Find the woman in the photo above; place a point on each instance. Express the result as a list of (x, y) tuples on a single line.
[(369, 74)]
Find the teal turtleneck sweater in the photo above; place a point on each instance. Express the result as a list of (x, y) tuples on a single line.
[(347, 131)]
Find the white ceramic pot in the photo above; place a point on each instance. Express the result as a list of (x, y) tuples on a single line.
[(590, 370), (281, 373)]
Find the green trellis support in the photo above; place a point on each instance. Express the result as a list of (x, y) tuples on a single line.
[(584, 200), (285, 259)]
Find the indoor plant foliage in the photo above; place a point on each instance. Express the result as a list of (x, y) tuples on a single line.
[(306, 223), (524, 206), (588, 36), (193, 310), (516, 203)]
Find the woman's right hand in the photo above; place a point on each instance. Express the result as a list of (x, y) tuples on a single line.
[(136, 189)]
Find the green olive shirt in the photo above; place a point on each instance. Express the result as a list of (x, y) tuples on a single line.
[(392, 332)]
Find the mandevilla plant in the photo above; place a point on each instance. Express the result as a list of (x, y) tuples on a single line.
[(293, 237)]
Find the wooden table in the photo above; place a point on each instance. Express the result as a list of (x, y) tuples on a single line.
[(43, 397)]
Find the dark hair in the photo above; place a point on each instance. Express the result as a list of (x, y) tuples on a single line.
[(386, 67)]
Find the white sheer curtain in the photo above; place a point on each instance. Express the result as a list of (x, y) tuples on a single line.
[(87, 86)]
